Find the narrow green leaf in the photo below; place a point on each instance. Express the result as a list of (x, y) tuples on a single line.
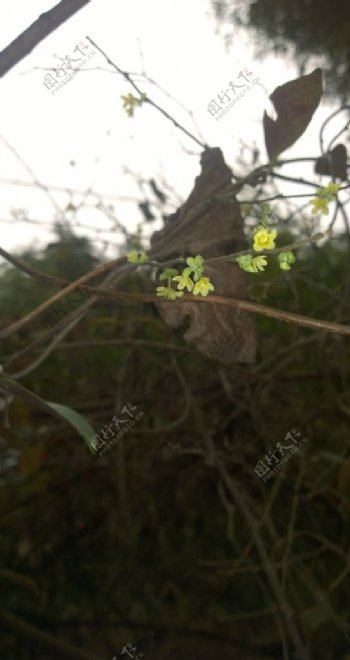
[(79, 422)]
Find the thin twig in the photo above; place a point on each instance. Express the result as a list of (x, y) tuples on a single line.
[(285, 248), (26, 630), (147, 100), (271, 573)]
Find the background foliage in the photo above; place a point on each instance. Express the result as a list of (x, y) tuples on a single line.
[(101, 551), (171, 540), (308, 31)]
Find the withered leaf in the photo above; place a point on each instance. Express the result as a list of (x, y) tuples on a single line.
[(333, 163), (295, 103), (211, 227)]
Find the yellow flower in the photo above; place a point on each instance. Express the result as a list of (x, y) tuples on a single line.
[(333, 187), (251, 264), (184, 282), (264, 239), (168, 293), (202, 287), (323, 197), (259, 263), (320, 205), (130, 102)]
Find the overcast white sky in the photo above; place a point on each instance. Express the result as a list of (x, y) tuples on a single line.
[(176, 44)]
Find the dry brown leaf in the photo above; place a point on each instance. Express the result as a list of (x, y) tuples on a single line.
[(333, 163), (295, 103), (219, 332)]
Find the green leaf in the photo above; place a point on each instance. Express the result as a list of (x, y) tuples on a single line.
[(79, 422), (168, 273)]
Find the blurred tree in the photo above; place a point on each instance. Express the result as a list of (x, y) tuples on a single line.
[(69, 256), (309, 31)]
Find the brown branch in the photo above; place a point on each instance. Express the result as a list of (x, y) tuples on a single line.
[(72, 286), (23, 629), (15, 388), (95, 343), (288, 317), (246, 305), (37, 31), (161, 629)]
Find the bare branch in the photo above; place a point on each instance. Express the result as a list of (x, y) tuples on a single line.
[(37, 32)]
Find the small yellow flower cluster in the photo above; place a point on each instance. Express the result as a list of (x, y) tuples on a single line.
[(191, 279), (130, 102), (323, 197), (264, 239)]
